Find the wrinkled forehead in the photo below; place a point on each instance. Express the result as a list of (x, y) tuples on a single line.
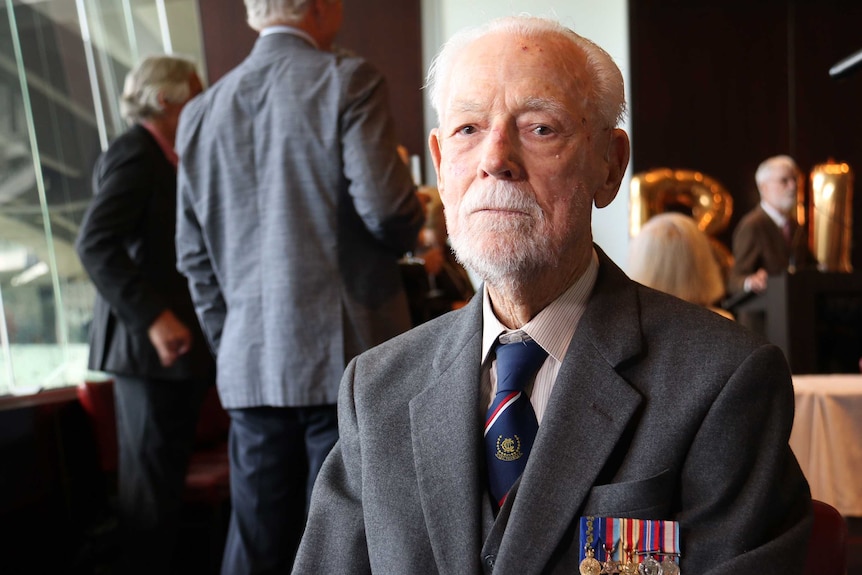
[(549, 66)]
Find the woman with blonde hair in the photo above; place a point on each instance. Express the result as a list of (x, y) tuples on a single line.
[(673, 255)]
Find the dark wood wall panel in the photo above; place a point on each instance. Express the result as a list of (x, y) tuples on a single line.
[(386, 32), (828, 112), (227, 38), (389, 34), (720, 86)]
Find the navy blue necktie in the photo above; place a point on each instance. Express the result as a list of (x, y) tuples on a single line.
[(511, 425)]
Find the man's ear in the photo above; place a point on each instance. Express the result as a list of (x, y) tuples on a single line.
[(163, 102), (434, 147), (617, 160)]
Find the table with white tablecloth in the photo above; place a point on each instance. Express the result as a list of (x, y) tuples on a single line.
[(827, 438)]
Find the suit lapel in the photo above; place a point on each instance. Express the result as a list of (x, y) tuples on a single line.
[(446, 432), (587, 413)]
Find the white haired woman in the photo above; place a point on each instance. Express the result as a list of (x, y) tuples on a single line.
[(671, 254)]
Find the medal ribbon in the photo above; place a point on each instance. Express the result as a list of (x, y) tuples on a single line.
[(623, 535)]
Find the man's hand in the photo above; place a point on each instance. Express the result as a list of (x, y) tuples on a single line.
[(170, 337), (756, 282)]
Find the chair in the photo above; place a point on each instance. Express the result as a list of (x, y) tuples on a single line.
[(827, 547), (208, 477), (207, 483), (97, 399)]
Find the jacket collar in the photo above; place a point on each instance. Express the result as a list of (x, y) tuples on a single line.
[(269, 30), (587, 413), (274, 45), (579, 432)]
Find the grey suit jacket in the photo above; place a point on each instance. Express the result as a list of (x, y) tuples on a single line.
[(293, 209), (661, 410)]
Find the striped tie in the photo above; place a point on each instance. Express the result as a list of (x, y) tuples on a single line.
[(511, 425)]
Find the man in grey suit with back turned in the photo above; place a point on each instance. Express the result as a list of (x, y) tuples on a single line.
[(647, 407), (293, 209)]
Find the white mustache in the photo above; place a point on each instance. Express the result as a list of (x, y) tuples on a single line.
[(501, 196)]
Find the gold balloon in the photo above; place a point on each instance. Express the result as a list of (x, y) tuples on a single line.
[(832, 216), (702, 197), (661, 190)]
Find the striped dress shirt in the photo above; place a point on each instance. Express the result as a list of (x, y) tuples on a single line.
[(552, 328)]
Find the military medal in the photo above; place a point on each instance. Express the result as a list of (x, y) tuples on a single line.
[(649, 537), (627, 546), (590, 565), (629, 567), (649, 566), (610, 566), (669, 566)]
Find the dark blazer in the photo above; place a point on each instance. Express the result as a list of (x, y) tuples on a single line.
[(661, 410), (759, 243), (126, 244)]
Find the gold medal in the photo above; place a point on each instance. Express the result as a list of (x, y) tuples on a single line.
[(590, 565)]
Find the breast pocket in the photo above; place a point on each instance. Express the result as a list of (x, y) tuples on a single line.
[(650, 498)]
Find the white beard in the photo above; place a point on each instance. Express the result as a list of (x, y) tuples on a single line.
[(788, 204), (502, 249)]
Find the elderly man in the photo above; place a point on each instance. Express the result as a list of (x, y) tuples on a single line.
[(768, 239), (144, 330), (647, 407), (294, 208)]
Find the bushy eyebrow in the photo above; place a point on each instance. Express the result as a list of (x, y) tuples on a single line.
[(537, 104), (534, 104), (464, 106)]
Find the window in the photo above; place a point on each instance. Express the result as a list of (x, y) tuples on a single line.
[(62, 66)]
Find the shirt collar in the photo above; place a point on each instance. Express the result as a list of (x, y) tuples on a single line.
[(280, 29), (554, 326), (774, 215)]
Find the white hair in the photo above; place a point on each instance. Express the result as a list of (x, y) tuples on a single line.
[(671, 254), (769, 165), (263, 13), (155, 76), (608, 92)]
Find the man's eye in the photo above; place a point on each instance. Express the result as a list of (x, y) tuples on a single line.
[(542, 131), (466, 130)]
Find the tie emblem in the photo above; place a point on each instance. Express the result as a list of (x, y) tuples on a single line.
[(509, 448)]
